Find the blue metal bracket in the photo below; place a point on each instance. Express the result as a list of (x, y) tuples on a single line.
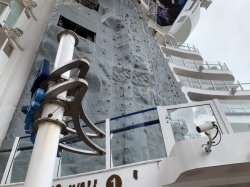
[(37, 94), (42, 75), (34, 104)]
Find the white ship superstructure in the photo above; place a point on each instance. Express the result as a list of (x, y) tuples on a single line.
[(202, 143)]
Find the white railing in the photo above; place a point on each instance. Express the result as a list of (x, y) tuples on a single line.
[(181, 127), (239, 106), (214, 85), (186, 47), (198, 65)]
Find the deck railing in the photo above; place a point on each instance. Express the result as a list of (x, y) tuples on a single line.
[(186, 47), (214, 84), (198, 65), (130, 138)]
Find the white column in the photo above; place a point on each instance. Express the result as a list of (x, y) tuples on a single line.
[(41, 168)]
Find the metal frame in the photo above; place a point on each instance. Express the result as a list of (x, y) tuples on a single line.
[(223, 118), (108, 146), (167, 132), (224, 84), (6, 175)]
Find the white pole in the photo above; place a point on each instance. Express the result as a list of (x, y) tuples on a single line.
[(41, 168)]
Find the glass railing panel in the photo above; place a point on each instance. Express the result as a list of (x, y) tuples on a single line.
[(190, 64), (182, 46), (197, 64), (186, 47), (15, 12), (214, 66), (206, 66), (239, 123), (237, 113), (245, 86), (136, 138), (178, 62), (195, 83), (231, 106), (184, 121), (139, 144), (185, 81), (207, 84), (234, 86), (213, 84), (20, 165), (16, 172), (4, 156), (72, 163), (220, 85)]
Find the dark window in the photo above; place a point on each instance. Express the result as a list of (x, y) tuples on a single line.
[(91, 4), (78, 29), (8, 49)]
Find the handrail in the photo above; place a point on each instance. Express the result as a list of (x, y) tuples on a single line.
[(134, 113), (100, 122), (135, 126)]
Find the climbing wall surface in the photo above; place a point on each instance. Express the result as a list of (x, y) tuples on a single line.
[(127, 73)]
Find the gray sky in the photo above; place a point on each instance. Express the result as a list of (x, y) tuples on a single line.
[(223, 34)]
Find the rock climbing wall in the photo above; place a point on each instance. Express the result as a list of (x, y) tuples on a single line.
[(127, 73)]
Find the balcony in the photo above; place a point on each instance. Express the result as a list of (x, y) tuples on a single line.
[(171, 19), (181, 51), (160, 157), (197, 69), (200, 89)]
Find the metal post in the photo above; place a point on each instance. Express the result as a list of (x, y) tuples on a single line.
[(240, 86), (108, 144), (200, 83), (226, 85), (207, 65), (196, 65), (213, 85), (226, 66), (183, 62), (190, 82), (220, 65), (194, 47), (41, 167)]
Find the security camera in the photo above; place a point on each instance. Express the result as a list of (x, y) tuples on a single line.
[(207, 126)]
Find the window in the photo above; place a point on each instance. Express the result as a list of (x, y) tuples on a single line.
[(8, 49), (78, 29), (2, 38), (2, 7), (91, 4), (15, 12)]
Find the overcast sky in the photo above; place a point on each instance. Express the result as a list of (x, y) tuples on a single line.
[(223, 34)]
